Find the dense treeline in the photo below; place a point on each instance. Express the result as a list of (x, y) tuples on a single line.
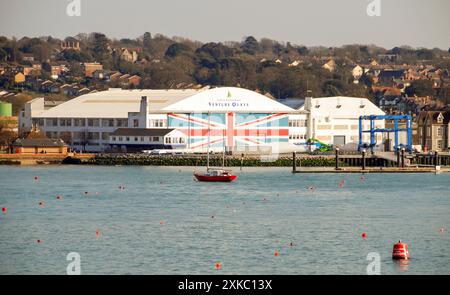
[(281, 69)]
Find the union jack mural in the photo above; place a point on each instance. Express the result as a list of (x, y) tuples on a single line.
[(231, 129)]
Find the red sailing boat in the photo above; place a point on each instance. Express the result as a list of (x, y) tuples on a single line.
[(215, 175)]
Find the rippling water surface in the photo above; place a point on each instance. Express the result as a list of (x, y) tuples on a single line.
[(163, 222)]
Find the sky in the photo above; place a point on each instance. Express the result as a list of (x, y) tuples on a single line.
[(417, 23)]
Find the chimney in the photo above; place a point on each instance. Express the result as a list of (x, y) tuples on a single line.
[(143, 112)]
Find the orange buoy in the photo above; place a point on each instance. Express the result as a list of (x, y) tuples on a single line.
[(217, 265), (98, 233), (400, 251), (277, 253), (4, 209), (162, 222), (364, 235)]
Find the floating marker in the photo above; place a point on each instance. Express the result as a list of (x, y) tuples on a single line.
[(98, 233), (162, 222), (364, 235), (4, 209), (39, 241), (217, 265), (277, 253), (400, 251), (36, 178), (312, 188), (442, 230)]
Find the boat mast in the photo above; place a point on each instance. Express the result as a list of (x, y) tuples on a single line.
[(223, 151), (209, 136)]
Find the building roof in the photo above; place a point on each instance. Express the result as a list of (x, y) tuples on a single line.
[(141, 132), (115, 103), (343, 107), (38, 142), (228, 99), (294, 103)]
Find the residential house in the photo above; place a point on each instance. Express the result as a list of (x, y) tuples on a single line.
[(127, 54), (19, 78), (28, 57), (433, 130), (330, 65), (387, 76), (90, 68)]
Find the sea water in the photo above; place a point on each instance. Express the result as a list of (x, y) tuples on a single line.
[(158, 220)]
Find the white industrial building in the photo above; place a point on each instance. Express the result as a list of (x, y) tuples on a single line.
[(220, 118)]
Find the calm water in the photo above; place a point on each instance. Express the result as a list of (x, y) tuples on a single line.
[(240, 225)]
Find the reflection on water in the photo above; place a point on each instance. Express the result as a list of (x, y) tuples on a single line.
[(157, 220), (402, 264)]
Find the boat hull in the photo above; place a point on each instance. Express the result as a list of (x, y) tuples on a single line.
[(218, 178)]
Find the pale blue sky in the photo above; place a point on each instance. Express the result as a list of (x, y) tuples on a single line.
[(418, 23)]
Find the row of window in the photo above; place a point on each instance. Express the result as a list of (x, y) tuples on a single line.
[(54, 122), (136, 138), (78, 136), (168, 140), (297, 136), (298, 123)]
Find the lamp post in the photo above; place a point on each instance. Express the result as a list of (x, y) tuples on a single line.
[(363, 152), (337, 159)]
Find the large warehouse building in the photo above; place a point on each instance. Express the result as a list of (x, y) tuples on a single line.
[(229, 118)]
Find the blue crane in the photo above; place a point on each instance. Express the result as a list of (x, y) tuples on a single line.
[(396, 130)]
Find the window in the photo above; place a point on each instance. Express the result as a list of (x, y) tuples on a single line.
[(157, 123), (120, 138), (122, 122), (156, 138), (135, 139), (64, 122), (93, 135), (113, 138), (51, 122), (440, 131), (108, 122), (127, 138), (142, 138), (93, 122), (105, 135), (440, 144), (135, 123), (78, 122)]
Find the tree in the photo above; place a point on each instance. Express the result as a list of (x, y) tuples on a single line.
[(178, 49), (100, 48), (420, 88), (250, 45), (147, 40)]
